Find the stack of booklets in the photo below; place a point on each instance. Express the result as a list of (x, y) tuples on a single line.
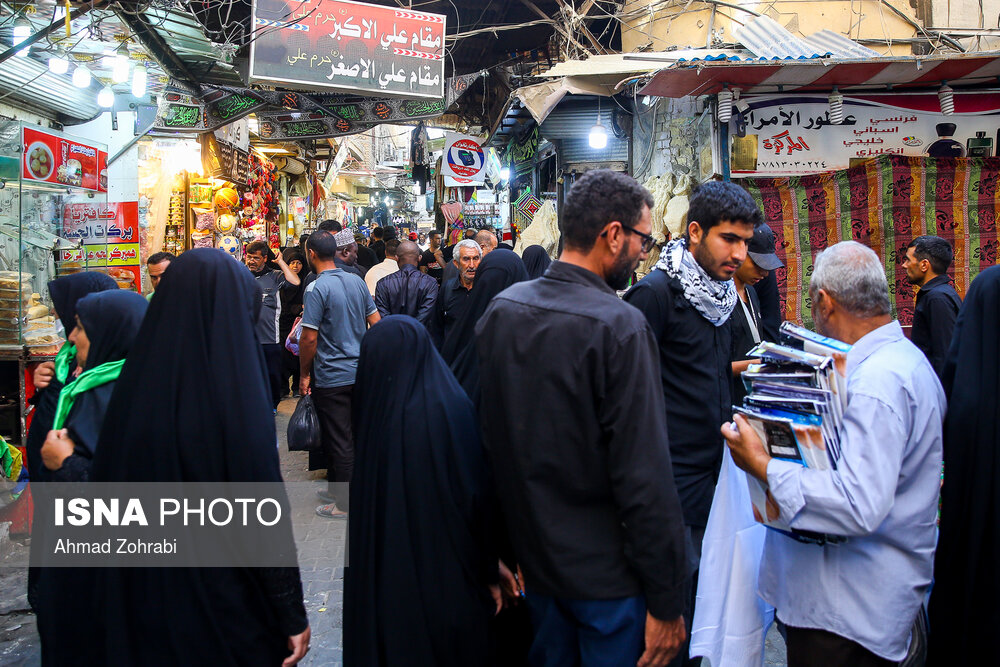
[(796, 399)]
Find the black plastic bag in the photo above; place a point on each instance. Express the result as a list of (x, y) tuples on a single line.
[(303, 427)]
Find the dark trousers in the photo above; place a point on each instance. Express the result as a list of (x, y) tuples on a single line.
[(586, 633), (289, 369), (333, 407), (819, 648), (693, 538), (272, 360)]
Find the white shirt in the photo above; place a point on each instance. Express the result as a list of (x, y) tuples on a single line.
[(380, 271)]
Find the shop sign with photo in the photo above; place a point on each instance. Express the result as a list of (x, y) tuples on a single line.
[(464, 158), (53, 158), (789, 135), (349, 46), (225, 160)]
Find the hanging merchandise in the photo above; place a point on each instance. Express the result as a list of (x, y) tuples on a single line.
[(227, 198), (419, 158), (543, 230), (232, 245), (225, 223)]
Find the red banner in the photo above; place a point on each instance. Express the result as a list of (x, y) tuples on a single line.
[(53, 158)]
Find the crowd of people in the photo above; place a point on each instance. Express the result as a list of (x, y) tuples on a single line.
[(529, 461)]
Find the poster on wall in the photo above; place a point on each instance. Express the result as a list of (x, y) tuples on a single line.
[(109, 237), (53, 158), (788, 135), (464, 160), (348, 46)]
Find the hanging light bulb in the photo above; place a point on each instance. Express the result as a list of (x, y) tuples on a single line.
[(58, 64), (139, 81), (119, 70), (725, 102), (836, 107), (946, 96), (106, 98), (81, 77), (598, 135), (21, 32), (505, 174)]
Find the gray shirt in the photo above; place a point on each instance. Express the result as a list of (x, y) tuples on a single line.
[(271, 283), (882, 496), (337, 305)]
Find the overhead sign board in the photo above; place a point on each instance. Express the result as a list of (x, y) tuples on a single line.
[(788, 135), (349, 47), (57, 158)]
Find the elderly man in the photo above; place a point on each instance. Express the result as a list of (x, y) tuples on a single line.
[(454, 292), (853, 604), (407, 291), (383, 268), (487, 240), (347, 253)]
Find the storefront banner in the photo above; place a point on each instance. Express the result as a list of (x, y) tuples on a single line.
[(464, 158), (348, 46), (236, 133), (291, 115), (53, 158), (788, 135), (450, 182)]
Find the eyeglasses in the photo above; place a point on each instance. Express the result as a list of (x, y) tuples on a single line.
[(648, 242)]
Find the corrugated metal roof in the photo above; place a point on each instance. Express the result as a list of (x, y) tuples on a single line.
[(31, 83), (768, 40), (839, 46), (568, 126)]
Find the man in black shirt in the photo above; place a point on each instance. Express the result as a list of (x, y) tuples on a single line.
[(687, 300), (407, 291), (578, 441), (366, 258), (377, 245), (432, 261), (347, 253), (927, 261)]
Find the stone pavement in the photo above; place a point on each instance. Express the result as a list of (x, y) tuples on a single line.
[(321, 544)]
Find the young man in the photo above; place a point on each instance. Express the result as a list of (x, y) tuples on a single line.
[(407, 291), (337, 312), (853, 604), (432, 261), (383, 268), (746, 324), (454, 293), (687, 300), (274, 284), (927, 261), (579, 448), (377, 245)]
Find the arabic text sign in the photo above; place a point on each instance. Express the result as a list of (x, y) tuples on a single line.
[(349, 46), (102, 223), (793, 135), (463, 158)]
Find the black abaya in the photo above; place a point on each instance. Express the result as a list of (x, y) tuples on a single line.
[(422, 518), (499, 270), (964, 614), (111, 320), (192, 407), (536, 260)]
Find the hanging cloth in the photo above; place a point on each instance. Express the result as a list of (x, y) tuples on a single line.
[(89, 379)]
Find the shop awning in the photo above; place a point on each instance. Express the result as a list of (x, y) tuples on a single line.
[(821, 74)]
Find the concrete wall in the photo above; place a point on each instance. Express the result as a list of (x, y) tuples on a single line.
[(123, 174), (675, 146), (683, 24)]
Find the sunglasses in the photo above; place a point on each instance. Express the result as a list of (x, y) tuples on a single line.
[(648, 242)]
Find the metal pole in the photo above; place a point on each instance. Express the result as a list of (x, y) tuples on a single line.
[(43, 33)]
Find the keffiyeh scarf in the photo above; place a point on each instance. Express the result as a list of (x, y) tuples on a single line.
[(714, 299)]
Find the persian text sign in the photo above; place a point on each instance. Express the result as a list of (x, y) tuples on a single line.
[(348, 46), (793, 135)]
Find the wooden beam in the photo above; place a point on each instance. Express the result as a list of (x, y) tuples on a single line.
[(586, 31), (559, 28)]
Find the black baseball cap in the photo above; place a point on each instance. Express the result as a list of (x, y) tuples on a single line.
[(761, 249)]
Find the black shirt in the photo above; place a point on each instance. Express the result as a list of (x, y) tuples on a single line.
[(934, 319), (743, 340), (452, 299), (350, 268), (770, 305), (366, 258), (695, 372), (583, 467), (378, 247), (434, 268), (407, 292)]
